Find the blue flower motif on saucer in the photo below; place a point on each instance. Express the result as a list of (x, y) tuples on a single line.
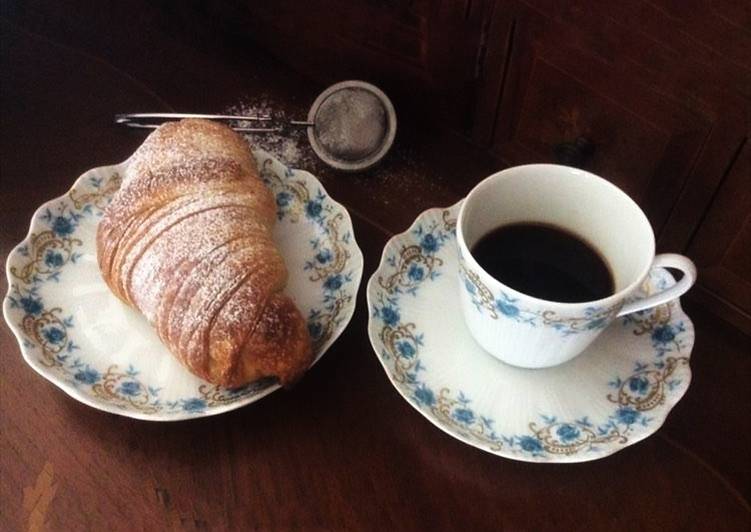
[(31, 305), (663, 334), (638, 384), (64, 222), (464, 415), (429, 243), (416, 273), (54, 335), (406, 349), (315, 329), (531, 445), (667, 338), (417, 262), (333, 282), (324, 256), (87, 376), (424, 395), (63, 226), (431, 237), (567, 432), (130, 388), (194, 405), (313, 209), (53, 259), (283, 199), (389, 315), (627, 416)]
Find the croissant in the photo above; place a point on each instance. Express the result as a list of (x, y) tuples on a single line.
[(187, 241)]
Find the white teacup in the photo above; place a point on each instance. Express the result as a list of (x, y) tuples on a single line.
[(530, 332)]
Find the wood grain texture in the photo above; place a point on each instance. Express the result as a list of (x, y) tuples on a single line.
[(423, 53), (570, 74), (664, 100), (722, 245), (342, 450)]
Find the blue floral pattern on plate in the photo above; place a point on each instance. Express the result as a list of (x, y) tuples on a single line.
[(325, 270), (647, 378)]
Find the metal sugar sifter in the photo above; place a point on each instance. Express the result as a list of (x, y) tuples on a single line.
[(351, 125)]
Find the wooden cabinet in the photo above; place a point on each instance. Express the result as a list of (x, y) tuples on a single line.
[(564, 87), (655, 97), (722, 244), (422, 52)]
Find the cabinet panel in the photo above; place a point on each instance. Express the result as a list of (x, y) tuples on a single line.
[(422, 53), (564, 84), (722, 245), (627, 148)]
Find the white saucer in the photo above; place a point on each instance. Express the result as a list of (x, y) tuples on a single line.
[(75, 333), (616, 393)]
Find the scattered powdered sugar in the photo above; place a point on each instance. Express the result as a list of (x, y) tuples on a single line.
[(289, 145)]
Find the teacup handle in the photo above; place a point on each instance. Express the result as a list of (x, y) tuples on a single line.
[(669, 260)]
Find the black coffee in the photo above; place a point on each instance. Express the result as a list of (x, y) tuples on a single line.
[(544, 261)]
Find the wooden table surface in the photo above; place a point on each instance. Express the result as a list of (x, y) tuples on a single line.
[(342, 450)]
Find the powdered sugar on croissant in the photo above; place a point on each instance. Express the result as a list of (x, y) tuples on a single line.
[(187, 241)]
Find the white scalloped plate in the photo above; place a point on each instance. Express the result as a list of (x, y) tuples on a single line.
[(616, 393), (75, 333)]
